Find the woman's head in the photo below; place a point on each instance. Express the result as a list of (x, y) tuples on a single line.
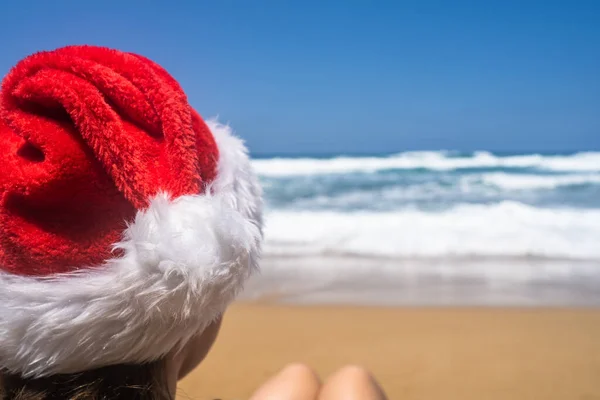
[(134, 381), (128, 222)]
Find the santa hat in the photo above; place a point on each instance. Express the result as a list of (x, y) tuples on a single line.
[(127, 223)]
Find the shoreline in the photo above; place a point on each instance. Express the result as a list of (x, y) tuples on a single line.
[(337, 279), (416, 352)]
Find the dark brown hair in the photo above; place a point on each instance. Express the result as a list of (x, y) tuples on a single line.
[(117, 382)]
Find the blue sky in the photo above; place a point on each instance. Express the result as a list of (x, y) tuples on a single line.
[(355, 76)]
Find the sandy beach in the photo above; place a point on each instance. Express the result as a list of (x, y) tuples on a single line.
[(416, 353)]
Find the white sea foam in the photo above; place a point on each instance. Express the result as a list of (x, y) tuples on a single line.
[(432, 160), (506, 229), (529, 181)]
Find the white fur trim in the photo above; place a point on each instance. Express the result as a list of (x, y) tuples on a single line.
[(184, 261)]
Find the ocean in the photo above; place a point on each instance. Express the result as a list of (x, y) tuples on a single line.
[(451, 226)]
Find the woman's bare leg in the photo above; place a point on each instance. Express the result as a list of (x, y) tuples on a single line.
[(294, 382), (351, 383)]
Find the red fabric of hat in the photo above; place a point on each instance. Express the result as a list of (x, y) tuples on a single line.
[(96, 133)]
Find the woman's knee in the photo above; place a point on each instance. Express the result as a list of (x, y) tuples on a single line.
[(352, 382), (299, 372), (295, 381)]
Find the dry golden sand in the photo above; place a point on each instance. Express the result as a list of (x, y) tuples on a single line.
[(416, 353)]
